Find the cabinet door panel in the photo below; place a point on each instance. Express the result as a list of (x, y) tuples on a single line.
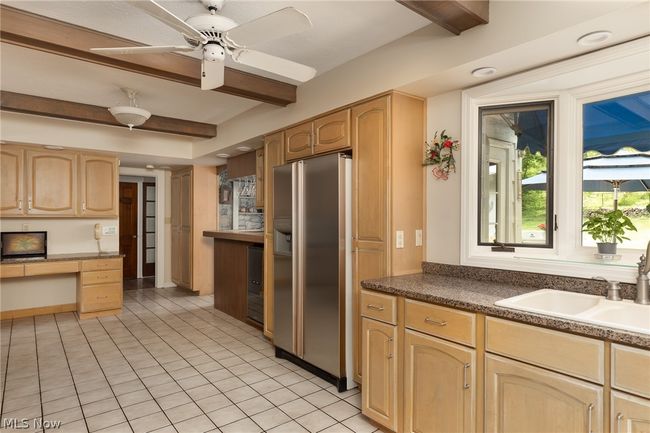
[(379, 397), (439, 386), (522, 398), (51, 183), (99, 186), (259, 176), (332, 132), (630, 414), (11, 180), (298, 141)]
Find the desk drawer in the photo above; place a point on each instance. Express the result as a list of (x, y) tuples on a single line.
[(12, 270), (101, 264), (566, 353), (100, 297), (50, 268), (379, 306), (443, 322), (631, 370), (101, 277)]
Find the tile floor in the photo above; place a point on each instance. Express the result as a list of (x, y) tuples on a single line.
[(168, 363)]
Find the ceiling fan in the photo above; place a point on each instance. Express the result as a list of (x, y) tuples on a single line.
[(217, 35)]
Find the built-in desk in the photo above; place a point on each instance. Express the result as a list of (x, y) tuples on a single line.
[(99, 282)]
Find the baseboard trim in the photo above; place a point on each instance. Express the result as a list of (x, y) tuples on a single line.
[(95, 314), (37, 311)]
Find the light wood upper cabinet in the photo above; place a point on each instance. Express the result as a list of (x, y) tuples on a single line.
[(299, 141), (332, 132), (273, 157), (439, 385), (51, 182), (259, 177), (379, 383), (522, 398), (629, 414), (99, 182), (11, 177)]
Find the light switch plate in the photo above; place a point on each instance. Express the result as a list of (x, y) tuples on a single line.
[(109, 230), (418, 238), (399, 239)]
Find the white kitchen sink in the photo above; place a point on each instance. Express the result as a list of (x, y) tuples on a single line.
[(583, 308)]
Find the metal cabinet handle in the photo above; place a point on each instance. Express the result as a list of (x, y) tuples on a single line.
[(83, 207), (465, 370), (29, 204), (590, 410), (20, 205), (619, 423), (390, 355), (375, 307), (435, 322)]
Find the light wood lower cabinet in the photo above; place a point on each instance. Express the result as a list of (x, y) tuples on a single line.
[(379, 383), (521, 398), (630, 414), (439, 385)]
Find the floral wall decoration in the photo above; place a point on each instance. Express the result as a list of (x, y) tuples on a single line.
[(440, 154)]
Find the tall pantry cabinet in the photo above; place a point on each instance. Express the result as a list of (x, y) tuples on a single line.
[(386, 135), (194, 209)]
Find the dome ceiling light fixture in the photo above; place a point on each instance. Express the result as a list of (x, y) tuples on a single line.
[(130, 115), (594, 38), (484, 71)]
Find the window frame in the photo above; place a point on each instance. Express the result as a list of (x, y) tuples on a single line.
[(550, 159), (603, 74)]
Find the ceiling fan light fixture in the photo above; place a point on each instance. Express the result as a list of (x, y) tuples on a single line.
[(130, 115)]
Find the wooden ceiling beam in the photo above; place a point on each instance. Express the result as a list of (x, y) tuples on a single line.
[(37, 105), (454, 15), (41, 33)]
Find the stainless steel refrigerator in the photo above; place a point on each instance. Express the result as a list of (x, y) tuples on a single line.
[(312, 266)]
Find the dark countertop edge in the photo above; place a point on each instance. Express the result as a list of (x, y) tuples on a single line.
[(64, 257), (252, 237), (551, 322)]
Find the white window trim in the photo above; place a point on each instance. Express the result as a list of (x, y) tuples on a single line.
[(570, 84)]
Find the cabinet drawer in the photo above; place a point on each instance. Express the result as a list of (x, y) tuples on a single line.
[(379, 306), (100, 297), (447, 323), (571, 354), (12, 270), (49, 268), (101, 277), (631, 370), (101, 265)]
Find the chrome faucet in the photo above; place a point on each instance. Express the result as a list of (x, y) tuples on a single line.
[(613, 289), (642, 282)]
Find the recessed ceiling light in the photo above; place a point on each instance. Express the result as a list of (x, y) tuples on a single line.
[(244, 148), (149, 167), (484, 72), (594, 38), (53, 147), (223, 155)]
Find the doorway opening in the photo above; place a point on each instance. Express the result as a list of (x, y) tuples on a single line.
[(138, 231)]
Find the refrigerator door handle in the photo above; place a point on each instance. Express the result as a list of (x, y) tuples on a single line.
[(299, 243)]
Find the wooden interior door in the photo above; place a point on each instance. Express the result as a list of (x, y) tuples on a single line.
[(129, 228), (148, 229)]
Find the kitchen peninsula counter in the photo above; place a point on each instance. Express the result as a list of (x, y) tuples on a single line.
[(254, 237)]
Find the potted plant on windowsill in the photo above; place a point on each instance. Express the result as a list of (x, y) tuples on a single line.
[(608, 228)]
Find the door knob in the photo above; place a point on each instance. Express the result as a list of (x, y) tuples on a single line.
[(135, 236)]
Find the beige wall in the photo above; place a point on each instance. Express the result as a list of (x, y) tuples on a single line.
[(443, 197), (69, 235)]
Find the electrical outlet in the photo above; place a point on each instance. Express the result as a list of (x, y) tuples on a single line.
[(418, 238), (109, 230), (399, 239)]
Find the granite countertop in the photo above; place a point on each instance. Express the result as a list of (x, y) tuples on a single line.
[(237, 235), (65, 257), (479, 297)]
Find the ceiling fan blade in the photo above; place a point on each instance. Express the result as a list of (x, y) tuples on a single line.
[(143, 50), (212, 72), (161, 14), (276, 65), (279, 24)]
